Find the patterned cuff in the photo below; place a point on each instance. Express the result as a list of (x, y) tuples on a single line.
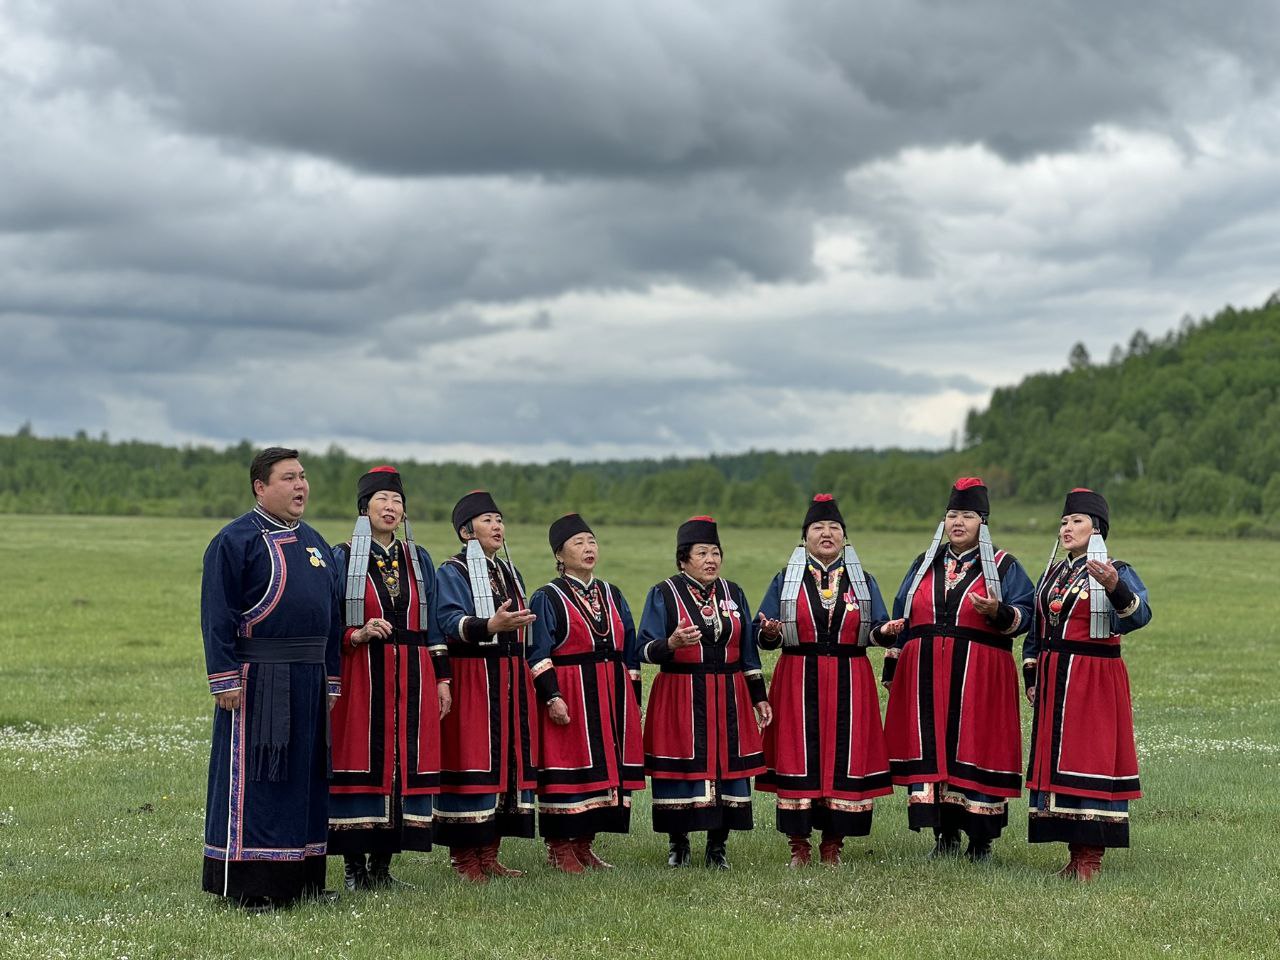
[(474, 630), (1124, 600), (657, 651), (224, 682), (335, 686), (545, 681), (755, 686), (1007, 619), (440, 662)]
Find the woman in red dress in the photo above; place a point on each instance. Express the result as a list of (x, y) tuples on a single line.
[(1083, 769)]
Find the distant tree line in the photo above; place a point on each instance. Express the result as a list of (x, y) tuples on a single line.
[(1185, 426)]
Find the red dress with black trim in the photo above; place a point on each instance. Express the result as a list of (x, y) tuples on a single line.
[(1082, 741), (586, 768), (826, 742), (953, 704), (700, 724), (386, 729)]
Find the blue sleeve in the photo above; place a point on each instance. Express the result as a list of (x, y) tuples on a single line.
[(546, 629), (1031, 640), (545, 634), (630, 641), (653, 628), (771, 609), (431, 593), (900, 598), (751, 669), (1130, 597), (221, 594), (878, 612), (455, 601), (1018, 595)]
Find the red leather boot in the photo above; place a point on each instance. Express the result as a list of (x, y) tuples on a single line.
[(829, 849), (466, 863), (562, 856), (489, 861), (801, 854)]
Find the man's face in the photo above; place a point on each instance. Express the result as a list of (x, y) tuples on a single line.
[(284, 495)]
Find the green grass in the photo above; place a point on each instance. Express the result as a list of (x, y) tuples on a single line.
[(104, 719)]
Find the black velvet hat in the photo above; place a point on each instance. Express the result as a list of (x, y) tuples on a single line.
[(471, 506), (969, 493), (823, 506), (697, 530), (570, 525), (1084, 500), (376, 480)]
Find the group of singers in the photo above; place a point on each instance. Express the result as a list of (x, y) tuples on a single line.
[(459, 704)]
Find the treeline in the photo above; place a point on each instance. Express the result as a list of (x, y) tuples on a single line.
[(1186, 425), (85, 475), (1185, 428)]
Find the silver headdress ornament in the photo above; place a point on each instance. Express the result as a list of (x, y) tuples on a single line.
[(861, 592), (990, 572), (357, 568), (793, 580), (791, 583), (478, 574), (925, 563), (1099, 605), (424, 610)]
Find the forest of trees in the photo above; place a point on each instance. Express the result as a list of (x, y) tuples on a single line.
[(1182, 427)]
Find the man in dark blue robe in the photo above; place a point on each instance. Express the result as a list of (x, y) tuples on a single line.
[(272, 622)]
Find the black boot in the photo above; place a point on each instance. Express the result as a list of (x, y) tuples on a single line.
[(678, 850), (717, 856), (380, 872), (979, 850), (946, 844), (355, 875)]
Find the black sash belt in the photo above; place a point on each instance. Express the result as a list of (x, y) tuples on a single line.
[(578, 659), (697, 668), (968, 634), (280, 649), (1080, 648), (270, 695), (843, 650), (488, 651), (402, 637)]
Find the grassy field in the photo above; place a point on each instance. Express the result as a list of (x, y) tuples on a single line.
[(104, 720)]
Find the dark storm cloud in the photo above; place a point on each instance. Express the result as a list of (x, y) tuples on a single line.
[(616, 88), (478, 206)]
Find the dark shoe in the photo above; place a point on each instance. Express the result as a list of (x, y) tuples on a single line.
[(717, 855), (678, 850), (355, 875), (801, 853), (257, 905), (979, 851), (945, 845), (380, 872)]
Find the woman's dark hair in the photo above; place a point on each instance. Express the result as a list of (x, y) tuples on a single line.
[(260, 469), (683, 553)]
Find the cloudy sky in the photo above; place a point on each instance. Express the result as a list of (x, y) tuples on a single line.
[(612, 228)]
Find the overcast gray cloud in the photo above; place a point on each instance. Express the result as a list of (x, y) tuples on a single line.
[(609, 229)]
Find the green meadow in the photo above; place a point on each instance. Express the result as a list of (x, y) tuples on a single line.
[(104, 720)]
